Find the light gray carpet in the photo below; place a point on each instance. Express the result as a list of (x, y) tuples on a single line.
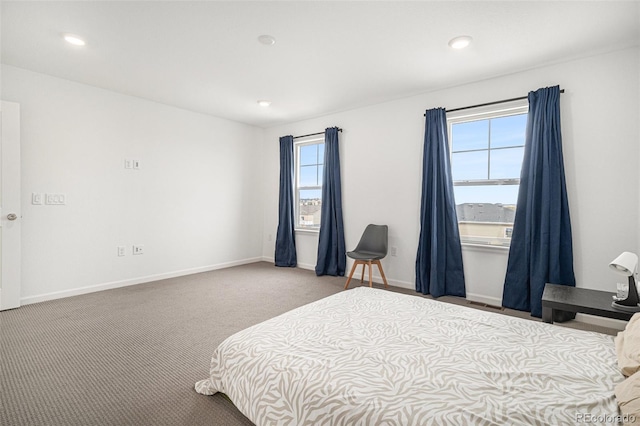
[(131, 356)]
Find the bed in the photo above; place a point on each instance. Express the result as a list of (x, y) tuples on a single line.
[(373, 357)]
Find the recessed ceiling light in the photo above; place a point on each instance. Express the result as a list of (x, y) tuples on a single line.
[(264, 103), (74, 39), (267, 40), (460, 42)]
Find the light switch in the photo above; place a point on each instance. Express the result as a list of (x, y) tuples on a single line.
[(55, 199), (36, 198)]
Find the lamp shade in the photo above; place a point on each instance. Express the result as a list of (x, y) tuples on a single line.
[(625, 264)]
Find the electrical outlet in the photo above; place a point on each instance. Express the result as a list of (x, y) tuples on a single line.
[(121, 251), (138, 249), (128, 164), (394, 251)]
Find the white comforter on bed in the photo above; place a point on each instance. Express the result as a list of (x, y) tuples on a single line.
[(373, 357)]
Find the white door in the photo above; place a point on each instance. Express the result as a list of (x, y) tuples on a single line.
[(10, 216)]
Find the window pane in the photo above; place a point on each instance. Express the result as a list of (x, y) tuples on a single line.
[(470, 135), (310, 204), (309, 171), (308, 154), (506, 163), (490, 149), (508, 131), (469, 165), (309, 176), (483, 194), (486, 213)]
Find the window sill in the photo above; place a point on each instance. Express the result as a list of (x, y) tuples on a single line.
[(485, 247), (307, 231)]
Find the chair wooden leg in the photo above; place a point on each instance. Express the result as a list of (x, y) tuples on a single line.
[(353, 269), (377, 262), (364, 266)]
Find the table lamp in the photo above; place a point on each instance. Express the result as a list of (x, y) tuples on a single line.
[(627, 264)]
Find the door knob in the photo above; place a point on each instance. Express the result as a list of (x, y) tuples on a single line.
[(12, 216)]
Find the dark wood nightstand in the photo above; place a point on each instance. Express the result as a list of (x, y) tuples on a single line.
[(582, 300)]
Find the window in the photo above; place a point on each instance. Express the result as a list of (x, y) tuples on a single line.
[(487, 148), (309, 159)]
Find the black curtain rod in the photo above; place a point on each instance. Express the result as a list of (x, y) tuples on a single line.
[(312, 134), (489, 103)]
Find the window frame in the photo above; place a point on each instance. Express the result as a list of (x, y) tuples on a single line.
[(512, 108), (315, 140)]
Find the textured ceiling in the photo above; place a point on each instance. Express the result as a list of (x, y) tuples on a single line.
[(329, 56)]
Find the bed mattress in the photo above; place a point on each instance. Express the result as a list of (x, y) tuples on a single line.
[(373, 357)]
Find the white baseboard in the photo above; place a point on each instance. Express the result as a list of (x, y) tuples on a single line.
[(601, 321), (484, 299), (589, 319), (376, 278), (133, 281), (271, 259), (396, 283), (307, 266), (495, 301)]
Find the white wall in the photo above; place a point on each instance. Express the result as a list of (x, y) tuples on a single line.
[(381, 154), (207, 193), (194, 205)]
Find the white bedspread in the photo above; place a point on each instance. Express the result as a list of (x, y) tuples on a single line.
[(373, 357)]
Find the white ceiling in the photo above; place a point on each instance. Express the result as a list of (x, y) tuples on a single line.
[(204, 56)]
